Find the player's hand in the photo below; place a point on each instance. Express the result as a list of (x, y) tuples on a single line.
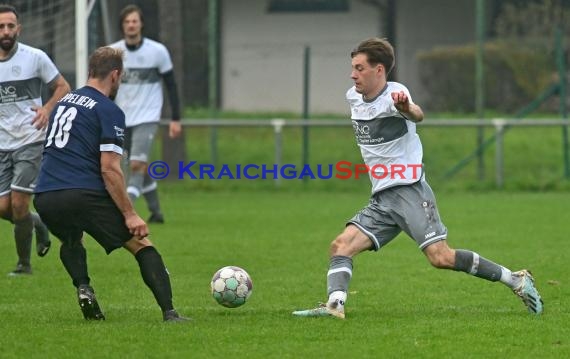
[(174, 129), (41, 119), (401, 101), (136, 225)]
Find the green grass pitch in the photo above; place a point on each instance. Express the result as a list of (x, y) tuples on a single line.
[(398, 307)]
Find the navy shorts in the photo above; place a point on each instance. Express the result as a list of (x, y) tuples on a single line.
[(68, 213)]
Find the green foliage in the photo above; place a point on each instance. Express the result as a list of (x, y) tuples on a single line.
[(514, 75), (532, 22), (398, 306), (519, 60)]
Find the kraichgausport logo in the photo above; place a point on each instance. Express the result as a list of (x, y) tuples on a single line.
[(343, 170)]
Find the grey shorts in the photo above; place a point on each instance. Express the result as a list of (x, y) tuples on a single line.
[(409, 208), (19, 168), (139, 140)]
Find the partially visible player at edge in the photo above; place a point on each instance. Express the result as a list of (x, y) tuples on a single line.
[(81, 186), (23, 72), (384, 118), (147, 62)]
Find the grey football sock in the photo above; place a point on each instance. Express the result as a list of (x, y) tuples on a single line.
[(23, 229), (339, 274), (471, 263), (35, 218), (42, 233), (151, 195), (152, 201), (135, 185)]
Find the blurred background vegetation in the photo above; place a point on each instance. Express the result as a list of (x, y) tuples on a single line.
[(519, 61)]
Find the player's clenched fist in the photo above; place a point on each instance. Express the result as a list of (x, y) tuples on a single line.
[(401, 101)]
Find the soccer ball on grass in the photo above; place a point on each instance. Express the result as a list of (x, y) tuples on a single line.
[(231, 286)]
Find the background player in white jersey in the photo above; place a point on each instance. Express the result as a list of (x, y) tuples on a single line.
[(140, 97), (384, 119), (23, 72)]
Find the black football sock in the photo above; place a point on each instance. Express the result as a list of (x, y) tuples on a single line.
[(155, 276), (74, 259), (23, 229)]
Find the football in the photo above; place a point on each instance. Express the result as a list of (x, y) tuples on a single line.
[(231, 286)]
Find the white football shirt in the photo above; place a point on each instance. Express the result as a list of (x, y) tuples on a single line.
[(140, 93), (388, 142), (22, 77)]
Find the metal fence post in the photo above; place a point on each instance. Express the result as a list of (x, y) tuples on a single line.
[(499, 124), (278, 130), (306, 92)]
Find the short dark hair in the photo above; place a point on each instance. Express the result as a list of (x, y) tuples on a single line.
[(9, 8), (127, 10), (105, 60), (378, 51)]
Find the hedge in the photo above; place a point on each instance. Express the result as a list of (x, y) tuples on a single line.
[(513, 75)]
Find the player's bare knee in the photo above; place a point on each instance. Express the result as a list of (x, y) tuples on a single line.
[(19, 211), (333, 248), (138, 166), (441, 259), (5, 208), (341, 244), (440, 255), (135, 244), (436, 262), (6, 214)]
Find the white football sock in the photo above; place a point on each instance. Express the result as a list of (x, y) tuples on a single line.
[(507, 278), (338, 295)]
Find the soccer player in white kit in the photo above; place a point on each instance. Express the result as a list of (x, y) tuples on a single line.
[(147, 63), (24, 71), (384, 119)]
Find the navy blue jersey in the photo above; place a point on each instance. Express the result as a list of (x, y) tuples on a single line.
[(83, 124)]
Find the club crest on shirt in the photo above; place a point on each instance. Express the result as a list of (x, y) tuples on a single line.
[(130, 76), (119, 132), (16, 70)]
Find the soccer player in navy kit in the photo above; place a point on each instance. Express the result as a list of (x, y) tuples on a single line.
[(384, 119), (81, 185)]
